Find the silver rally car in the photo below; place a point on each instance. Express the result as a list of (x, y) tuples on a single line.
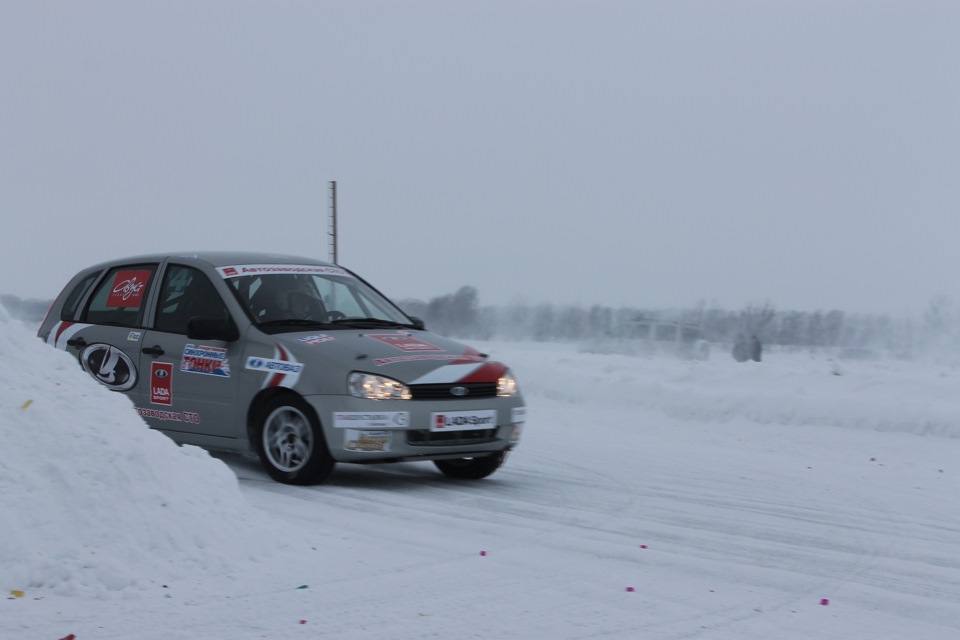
[(297, 360)]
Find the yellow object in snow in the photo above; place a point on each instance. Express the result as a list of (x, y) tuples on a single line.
[(16, 593), (26, 404)]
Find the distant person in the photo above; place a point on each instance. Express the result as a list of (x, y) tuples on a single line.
[(756, 349), (741, 350)]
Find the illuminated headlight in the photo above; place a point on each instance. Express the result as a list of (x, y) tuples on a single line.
[(366, 385), (507, 385)]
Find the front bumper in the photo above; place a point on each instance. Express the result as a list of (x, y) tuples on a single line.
[(373, 431)]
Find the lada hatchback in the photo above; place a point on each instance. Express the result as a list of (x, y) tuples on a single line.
[(296, 360)]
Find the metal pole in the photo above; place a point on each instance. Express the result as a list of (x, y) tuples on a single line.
[(333, 221)]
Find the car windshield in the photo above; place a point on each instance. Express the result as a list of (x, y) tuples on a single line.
[(292, 300)]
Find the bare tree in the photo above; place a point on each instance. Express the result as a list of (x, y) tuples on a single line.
[(754, 319)]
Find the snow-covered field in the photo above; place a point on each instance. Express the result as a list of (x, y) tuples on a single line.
[(651, 498)]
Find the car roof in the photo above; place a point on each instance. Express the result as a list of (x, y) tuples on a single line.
[(219, 258)]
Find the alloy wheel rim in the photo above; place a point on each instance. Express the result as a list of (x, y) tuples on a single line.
[(287, 439)]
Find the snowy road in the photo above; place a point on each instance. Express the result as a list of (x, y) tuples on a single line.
[(747, 529), (649, 498)]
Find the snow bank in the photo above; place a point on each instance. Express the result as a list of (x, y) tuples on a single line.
[(786, 388), (94, 502)]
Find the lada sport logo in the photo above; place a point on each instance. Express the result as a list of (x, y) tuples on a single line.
[(110, 366)]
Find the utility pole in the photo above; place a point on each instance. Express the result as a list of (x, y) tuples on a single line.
[(332, 232)]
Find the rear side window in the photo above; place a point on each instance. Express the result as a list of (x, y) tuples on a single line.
[(121, 296), (187, 293), (76, 295)]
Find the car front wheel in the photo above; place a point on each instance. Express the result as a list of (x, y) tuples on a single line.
[(290, 442), (471, 468)]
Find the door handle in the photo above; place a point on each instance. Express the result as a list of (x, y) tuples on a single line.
[(155, 350), (77, 342)]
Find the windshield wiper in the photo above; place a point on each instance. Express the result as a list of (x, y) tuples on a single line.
[(364, 323)]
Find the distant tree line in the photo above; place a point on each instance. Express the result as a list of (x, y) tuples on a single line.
[(461, 315), (27, 310)]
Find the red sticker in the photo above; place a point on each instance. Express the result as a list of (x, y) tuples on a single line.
[(128, 288), (403, 342), (161, 383)]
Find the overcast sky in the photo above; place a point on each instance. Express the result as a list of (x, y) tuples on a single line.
[(635, 153)]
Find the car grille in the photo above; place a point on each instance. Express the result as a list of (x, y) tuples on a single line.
[(442, 391), (425, 438)]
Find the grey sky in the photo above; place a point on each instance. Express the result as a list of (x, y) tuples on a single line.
[(626, 153)]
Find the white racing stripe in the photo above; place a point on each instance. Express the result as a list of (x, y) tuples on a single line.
[(448, 373), (60, 341)]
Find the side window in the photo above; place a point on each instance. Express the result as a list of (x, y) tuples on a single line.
[(121, 297), (254, 295), (74, 297), (186, 293)]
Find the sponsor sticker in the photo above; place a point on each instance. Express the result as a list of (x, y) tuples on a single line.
[(277, 366), (370, 419), (518, 414), (463, 420), (354, 440), (428, 356), (169, 416), (161, 383), (317, 339), (211, 361), (129, 286), (403, 342), (254, 269), (283, 368), (134, 336)]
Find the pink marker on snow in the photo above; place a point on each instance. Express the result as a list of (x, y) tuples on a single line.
[(483, 553), (630, 589), (824, 602)]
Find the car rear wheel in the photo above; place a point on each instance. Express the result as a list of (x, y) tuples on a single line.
[(290, 442), (471, 468)]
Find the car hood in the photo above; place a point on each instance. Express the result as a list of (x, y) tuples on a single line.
[(411, 357)]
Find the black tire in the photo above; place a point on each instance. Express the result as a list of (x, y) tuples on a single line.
[(290, 442), (471, 468)]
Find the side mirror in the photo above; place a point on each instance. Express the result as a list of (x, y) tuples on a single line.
[(210, 328), (418, 323)]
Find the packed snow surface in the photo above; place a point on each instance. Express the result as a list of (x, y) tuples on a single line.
[(799, 497)]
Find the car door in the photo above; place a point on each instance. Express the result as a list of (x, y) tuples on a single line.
[(106, 336), (191, 384)]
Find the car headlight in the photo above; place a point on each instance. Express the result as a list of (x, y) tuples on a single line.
[(367, 385), (507, 385)]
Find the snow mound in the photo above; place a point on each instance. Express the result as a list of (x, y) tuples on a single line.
[(93, 501)]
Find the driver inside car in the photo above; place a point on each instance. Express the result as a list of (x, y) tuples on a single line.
[(301, 306)]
